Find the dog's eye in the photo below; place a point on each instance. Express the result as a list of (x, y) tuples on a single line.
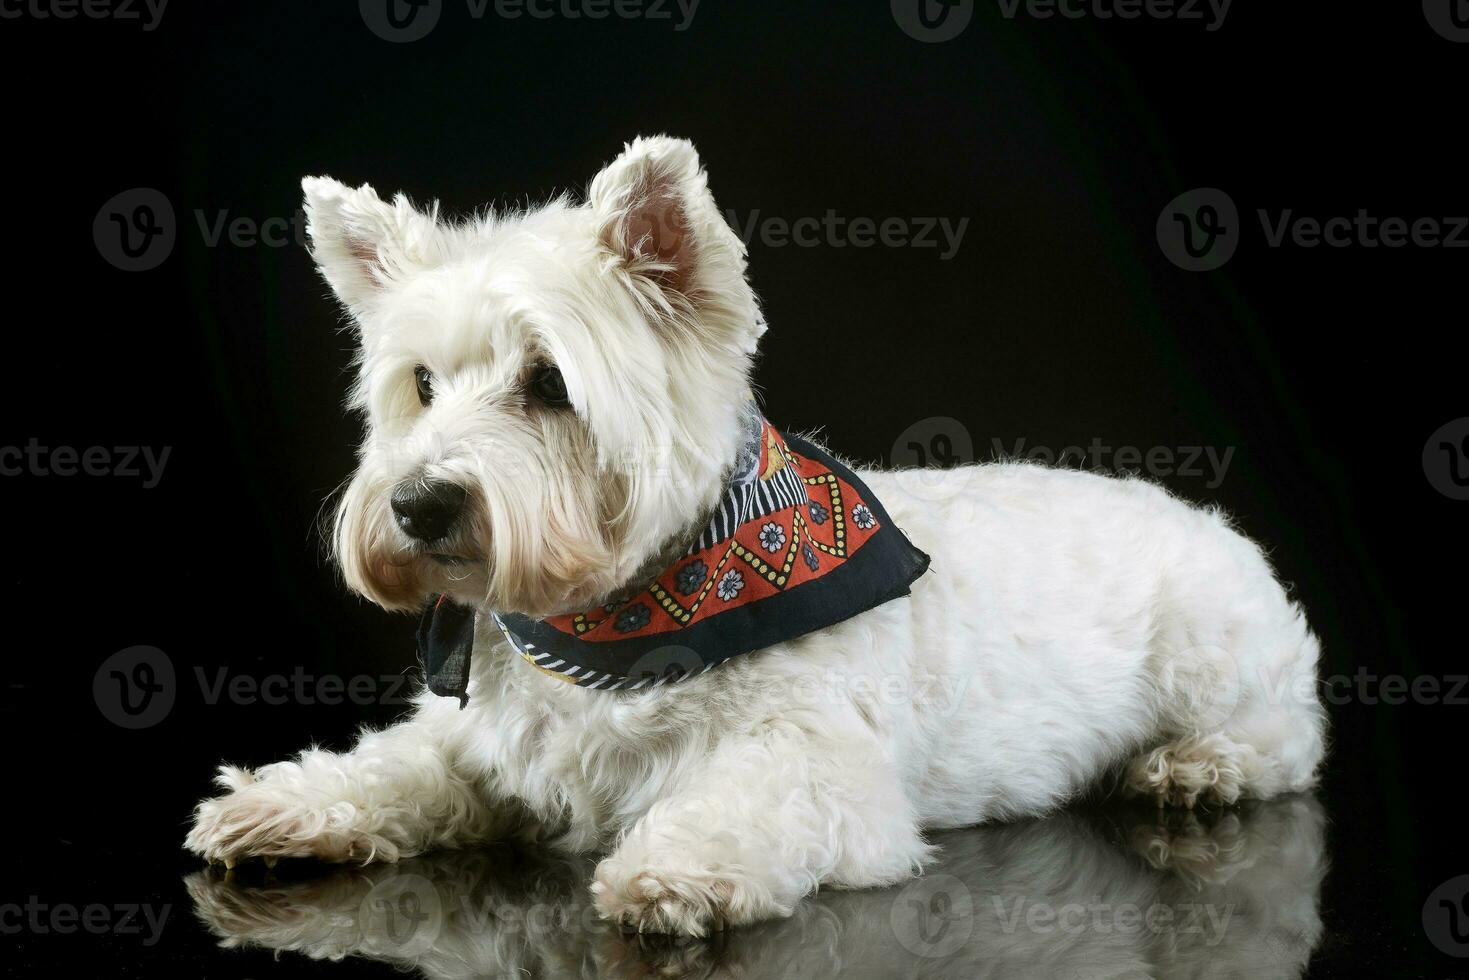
[(424, 378), (548, 386)]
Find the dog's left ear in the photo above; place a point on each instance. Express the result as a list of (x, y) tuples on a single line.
[(657, 218), (362, 244)]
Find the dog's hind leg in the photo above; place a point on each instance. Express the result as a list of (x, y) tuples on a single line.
[(1234, 677)]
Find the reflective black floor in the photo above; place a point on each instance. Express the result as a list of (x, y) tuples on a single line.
[(1077, 895), (1101, 892)]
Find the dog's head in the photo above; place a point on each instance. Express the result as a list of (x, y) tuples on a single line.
[(551, 396)]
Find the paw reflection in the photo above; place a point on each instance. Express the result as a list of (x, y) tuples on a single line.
[(1114, 893)]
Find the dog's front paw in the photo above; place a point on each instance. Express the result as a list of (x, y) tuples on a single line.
[(272, 819), (680, 902)]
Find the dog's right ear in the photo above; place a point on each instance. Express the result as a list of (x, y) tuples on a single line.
[(362, 244), (657, 218)]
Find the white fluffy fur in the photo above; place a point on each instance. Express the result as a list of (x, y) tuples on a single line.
[(1072, 626)]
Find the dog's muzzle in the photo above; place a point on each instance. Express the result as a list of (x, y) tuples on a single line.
[(428, 510)]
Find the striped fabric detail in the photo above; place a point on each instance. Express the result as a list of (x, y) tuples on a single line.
[(747, 501), (591, 679)]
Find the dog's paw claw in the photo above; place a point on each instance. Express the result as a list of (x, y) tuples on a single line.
[(665, 903), (1187, 774), (260, 820)]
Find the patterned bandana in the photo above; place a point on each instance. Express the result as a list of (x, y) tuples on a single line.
[(798, 543)]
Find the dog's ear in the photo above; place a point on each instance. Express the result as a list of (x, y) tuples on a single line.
[(362, 244), (656, 217)]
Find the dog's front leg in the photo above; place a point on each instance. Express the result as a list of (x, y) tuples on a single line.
[(396, 794), (764, 820)]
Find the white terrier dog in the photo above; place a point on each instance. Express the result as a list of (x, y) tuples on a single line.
[(558, 407)]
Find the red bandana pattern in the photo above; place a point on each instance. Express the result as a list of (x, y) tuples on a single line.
[(818, 521), (798, 543)]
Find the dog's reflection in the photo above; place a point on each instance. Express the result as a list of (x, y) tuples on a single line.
[(1117, 894)]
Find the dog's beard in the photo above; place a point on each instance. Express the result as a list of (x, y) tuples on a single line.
[(550, 525), (528, 541)]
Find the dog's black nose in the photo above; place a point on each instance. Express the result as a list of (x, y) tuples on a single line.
[(427, 509)]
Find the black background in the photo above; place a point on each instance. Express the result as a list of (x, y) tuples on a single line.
[(1058, 321)]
